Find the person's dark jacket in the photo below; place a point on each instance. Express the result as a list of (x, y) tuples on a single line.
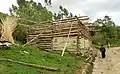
[(102, 49)]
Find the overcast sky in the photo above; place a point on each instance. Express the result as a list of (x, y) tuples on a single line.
[(92, 8)]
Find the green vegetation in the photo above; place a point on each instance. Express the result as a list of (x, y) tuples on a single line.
[(115, 43), (68, 64), (109, 32), (31, 11), (62, 13), (2, 17)]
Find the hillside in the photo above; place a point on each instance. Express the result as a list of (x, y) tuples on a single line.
[(68, 63)]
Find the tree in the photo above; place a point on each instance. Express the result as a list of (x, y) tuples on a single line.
[(118, 32), (48, 2), (40, 6), (61, 8), (62, 13), (108, 29), (21, 2), (66, 12), (71, 15), (31, 11)]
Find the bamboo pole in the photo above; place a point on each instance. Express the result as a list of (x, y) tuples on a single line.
[(66, 41)]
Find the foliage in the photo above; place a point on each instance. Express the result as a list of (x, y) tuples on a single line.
[(29, 13), (118, 32), (30, 10), (98, 39), (2, 17), (67, 63), (116, 43), (48, 2), (62, 13), (109, 31)]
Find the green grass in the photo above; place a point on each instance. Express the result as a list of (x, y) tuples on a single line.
[(115, 43), (68, 64)]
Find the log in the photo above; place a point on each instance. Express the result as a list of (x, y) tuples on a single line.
[(43, 43), (30, 65), (71, 20), (40, 26), (67, 28), (38, 29), (64, 25), (43, 48), (45, 38), (37, 32), (69, 48), (72, 31), (65, 35), (64, 30), (40, 36), (59, 35)]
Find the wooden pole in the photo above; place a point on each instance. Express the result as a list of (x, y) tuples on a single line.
[(66, 41)]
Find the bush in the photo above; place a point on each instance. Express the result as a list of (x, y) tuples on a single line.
[(115, 43), (98, 39)]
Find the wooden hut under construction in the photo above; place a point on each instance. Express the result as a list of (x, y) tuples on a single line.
[(67, 34)]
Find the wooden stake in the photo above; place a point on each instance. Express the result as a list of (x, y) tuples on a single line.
[(66, 41)]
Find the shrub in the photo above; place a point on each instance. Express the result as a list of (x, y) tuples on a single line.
[(98, 39)]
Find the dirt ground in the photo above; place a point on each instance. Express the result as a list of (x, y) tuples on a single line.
[(108, 65)]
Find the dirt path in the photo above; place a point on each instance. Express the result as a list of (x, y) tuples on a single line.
[(110, 64)]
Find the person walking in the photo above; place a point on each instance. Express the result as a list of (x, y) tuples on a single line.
[(102, 50)]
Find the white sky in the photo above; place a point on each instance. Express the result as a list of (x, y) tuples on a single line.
[(92, 8)]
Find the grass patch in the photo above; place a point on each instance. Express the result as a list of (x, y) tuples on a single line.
[(68, 64), (115, 43)]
